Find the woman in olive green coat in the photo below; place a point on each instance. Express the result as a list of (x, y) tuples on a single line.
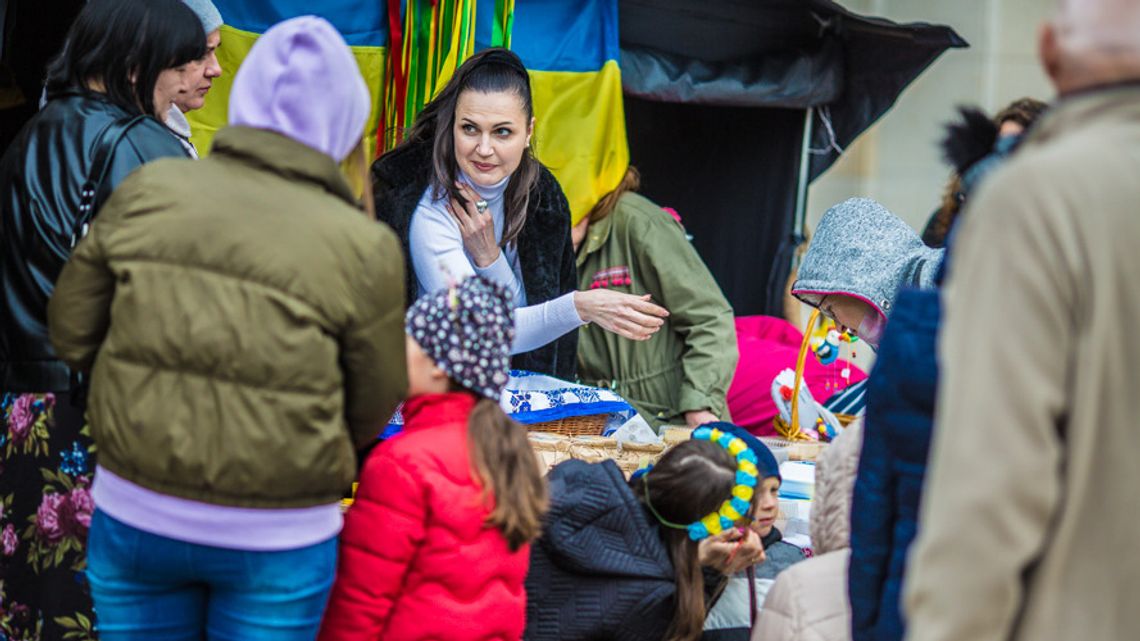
[(680, 375)]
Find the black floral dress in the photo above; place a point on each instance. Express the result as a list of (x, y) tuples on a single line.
[(46, 466)]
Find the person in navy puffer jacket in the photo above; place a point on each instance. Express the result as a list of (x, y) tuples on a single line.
[(896, 439)]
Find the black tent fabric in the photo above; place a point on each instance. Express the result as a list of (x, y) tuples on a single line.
[(716, 94), (726, 171), (32, 33)]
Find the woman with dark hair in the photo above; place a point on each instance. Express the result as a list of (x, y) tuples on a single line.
[(466, 195), (974, 138), (108, 90)]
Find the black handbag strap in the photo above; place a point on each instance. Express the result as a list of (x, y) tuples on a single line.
[(105, 144)]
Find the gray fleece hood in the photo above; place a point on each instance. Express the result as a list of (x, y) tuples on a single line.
[(860, 249)]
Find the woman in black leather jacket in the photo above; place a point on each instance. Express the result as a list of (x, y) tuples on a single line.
[(122, 66)]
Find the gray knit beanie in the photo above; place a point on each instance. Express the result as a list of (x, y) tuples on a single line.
[(206, 11)]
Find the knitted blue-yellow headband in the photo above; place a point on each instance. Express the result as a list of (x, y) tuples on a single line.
[(737, 506)]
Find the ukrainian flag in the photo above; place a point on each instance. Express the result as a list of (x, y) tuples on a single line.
[(572, 51), (363, 23), (570, 47)]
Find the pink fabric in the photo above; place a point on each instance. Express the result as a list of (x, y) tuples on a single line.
[(769, 345)]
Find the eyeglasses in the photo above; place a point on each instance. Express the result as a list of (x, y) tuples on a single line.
[(827, 312)]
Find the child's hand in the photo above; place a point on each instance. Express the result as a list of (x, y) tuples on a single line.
[(732, 551)]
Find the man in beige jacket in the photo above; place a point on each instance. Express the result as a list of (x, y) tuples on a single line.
[(1030, 526)]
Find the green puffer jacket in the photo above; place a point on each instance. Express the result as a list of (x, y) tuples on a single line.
[(689, 363), (243, 321)]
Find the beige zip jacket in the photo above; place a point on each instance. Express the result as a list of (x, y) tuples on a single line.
[(1030, 524)]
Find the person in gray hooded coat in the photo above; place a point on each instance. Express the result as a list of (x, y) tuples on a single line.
[(860, 256), (860, 259)]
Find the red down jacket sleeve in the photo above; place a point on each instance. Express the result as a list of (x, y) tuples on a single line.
[(382, 532)]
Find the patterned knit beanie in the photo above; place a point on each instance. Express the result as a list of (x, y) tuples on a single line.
[(468, 331)]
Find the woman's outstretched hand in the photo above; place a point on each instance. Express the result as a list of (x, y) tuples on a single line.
[(477, 228), (633, 317)]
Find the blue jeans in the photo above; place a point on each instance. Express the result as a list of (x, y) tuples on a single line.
[(158, 589)]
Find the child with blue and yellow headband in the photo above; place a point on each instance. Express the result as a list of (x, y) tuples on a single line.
[(644, 558), (734, 611)]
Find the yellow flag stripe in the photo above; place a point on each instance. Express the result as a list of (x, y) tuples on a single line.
[(580, 132), (236, 44)]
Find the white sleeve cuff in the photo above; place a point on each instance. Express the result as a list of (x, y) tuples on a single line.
[(537, 325), (499, 271)]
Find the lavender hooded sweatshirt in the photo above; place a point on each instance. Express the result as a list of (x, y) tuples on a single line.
[(302, 81)]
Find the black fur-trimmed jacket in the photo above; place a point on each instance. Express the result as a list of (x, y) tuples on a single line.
[(546, 254)]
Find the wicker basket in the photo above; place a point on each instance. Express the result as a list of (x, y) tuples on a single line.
[(782, 427), (674, 434), (553, 449), (632, 456), (793, 450), (799, 445), (592, 425), (799, 449)]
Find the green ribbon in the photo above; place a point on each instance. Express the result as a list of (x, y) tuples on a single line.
[(503, 24)]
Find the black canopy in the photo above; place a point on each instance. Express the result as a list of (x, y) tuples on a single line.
[(719, 94)]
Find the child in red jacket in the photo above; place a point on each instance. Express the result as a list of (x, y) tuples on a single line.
[(436, 545)]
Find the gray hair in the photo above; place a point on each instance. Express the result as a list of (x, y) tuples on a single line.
[(1101, 28)]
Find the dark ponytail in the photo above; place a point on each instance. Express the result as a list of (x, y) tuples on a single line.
[(489, 71), (513, 487), (690, 481)]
